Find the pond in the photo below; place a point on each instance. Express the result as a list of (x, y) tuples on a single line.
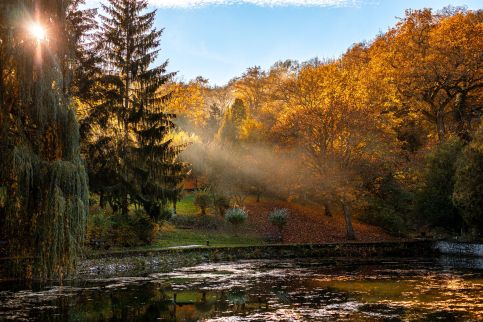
[(441, 289)]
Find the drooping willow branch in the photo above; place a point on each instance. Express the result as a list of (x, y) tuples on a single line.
[(46, 203)]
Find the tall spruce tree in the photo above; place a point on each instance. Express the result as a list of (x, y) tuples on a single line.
[(84, 72), (43, 215), (146, 167)]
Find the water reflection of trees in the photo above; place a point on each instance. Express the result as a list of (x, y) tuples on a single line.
[(152, 302)]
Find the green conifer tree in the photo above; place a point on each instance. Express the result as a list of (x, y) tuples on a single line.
[(147, 170)]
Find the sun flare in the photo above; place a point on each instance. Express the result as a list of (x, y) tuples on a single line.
[(37, 31)]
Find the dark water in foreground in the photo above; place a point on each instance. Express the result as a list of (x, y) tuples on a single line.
[(275, 290)]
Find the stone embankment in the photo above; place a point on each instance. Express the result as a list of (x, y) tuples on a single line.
[(458, 248), (138, 262)]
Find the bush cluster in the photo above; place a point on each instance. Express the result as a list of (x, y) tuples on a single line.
[(385, 217), (99, 228), (388, 206), (106, 230), (433, 200)]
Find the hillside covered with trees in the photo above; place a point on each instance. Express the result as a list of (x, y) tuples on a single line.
[(391, 131)]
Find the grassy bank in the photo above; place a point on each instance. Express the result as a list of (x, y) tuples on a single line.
[(306, 224), (185, 237)]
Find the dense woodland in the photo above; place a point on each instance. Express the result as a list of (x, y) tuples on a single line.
[(390, 133)]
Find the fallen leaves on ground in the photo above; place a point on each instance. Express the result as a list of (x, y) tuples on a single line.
[(308, 224)]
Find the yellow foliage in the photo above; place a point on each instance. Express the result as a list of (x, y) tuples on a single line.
[(189, 100)]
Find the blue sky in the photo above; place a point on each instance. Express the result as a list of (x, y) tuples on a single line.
[(219, 39)]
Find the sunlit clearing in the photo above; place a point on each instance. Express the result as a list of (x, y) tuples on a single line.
[(37, 31)]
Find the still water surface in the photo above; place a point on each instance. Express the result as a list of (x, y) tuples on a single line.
[(265, 290)]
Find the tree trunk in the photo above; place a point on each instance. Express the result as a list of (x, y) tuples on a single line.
[(348, 221), (440, 125), (114, 206), (102, 200), (461, 115), (125, 206), (328, 212)]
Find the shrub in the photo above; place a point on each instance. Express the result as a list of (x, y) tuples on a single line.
[(278, 217), (166, 213), (144, 228), (468, 187), (434, 201), (221, 203), (203, 200), (99, 228), (385, 217), (388, 206), (134, 230), (123, 234), (236, 216)]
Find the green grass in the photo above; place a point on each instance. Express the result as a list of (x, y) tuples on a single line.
[(186, 205), (184, 237), (187, 237)]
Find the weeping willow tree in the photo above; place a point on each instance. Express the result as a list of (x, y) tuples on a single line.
[(43, 214)]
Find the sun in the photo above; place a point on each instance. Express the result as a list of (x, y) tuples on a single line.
[(37, 31)]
